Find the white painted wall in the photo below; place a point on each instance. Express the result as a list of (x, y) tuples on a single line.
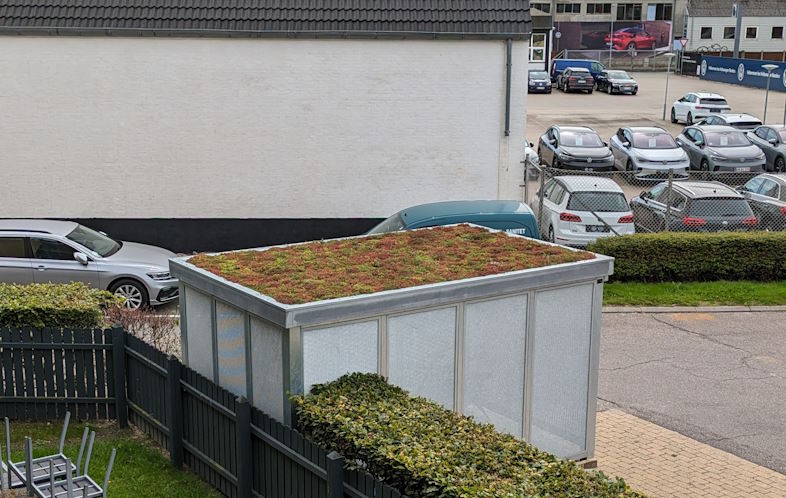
[(142, 127), (763, 42)]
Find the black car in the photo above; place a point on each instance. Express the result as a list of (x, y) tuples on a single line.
[(575, 79), (766, 194), (574, 147), (539, 82), (616, 81), (692, 207)]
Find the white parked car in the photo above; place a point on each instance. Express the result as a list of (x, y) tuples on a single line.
[(579, 209), (650, 152), (697, 105)]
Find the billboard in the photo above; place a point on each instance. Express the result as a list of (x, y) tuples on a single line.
[(619, 35), (745, 72)]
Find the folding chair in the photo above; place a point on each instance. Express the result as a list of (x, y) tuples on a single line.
[(17, 472), (81, 486)]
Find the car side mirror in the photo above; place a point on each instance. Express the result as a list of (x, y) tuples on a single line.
[(645, 195), (553, 142), (773, 141), (626, 144), (81, 258), (531, 144), (606, 144)]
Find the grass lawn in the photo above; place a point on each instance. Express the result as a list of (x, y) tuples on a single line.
[(694, 293), (140, 469)]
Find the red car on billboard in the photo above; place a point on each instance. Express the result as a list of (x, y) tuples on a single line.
[(634, 38)]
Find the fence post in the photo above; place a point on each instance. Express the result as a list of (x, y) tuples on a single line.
[(335, 475), (175, 411), (540, 200), (119, 360), (667, 217), (244, 456)]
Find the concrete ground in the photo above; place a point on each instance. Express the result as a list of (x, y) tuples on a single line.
[(718, 378)]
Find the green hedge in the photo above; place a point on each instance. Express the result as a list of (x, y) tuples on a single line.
[(425, 450), (73, 305), (685, 257)]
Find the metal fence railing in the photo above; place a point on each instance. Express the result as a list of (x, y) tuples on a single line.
[(574, 207), (622, 59)]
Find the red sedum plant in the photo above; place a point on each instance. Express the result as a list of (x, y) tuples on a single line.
[(332, 269)]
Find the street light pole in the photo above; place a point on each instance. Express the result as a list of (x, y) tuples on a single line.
[(669, 56), (770, 68)]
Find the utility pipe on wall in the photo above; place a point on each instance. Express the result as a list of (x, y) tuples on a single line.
[(509, 65)]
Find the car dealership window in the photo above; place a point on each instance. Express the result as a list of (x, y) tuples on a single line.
[(543, 7), (628, 11), (598, 8), (706, 33), (751, 32), (659, 12), (777, 32), (728, 33), (569, 8), (537, 49)]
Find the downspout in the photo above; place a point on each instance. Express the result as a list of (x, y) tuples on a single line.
[(507, 86)]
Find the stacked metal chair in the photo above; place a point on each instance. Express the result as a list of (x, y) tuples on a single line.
[(54, 476)]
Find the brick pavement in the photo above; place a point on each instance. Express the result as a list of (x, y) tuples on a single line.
[(664, 463)]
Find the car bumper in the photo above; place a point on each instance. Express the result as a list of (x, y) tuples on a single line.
[(660, 172), (540, 89), (583, 165), (737, 167), (703, 113), (164, 291), (624, 90), (581, 86), (569, 237)]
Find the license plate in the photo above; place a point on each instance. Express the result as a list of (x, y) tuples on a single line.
[(714, 110), (597, 228), (588, 169), (540, 86), (626, 88), (582, 81), (741, 169)]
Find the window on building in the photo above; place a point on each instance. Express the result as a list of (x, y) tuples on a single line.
[(728, 33), (628, 11), (598, 8), (751, 32), (543, 7), (659, 11), (777, 32), (537, 48), (569, 8), (706, 33)]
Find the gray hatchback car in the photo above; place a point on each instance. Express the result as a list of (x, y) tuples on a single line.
[(720, 148), (33, 251)]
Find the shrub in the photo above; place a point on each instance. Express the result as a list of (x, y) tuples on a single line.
[(425, 450), (160, 331), (73, 305), (683, 257)]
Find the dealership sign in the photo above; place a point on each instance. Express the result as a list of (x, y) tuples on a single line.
[(744, 72)]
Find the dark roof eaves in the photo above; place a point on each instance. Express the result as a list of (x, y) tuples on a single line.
[(215, 33)]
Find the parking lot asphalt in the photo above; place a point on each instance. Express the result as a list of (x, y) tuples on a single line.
[(719, 378)]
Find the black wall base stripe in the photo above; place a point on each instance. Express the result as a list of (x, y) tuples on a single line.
[(185, 235)]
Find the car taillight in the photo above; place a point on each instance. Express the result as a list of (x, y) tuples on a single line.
[(569, 217), (783, 211), (689, 221), (701, 107), (750, 221), (572, 78), (628, 218)]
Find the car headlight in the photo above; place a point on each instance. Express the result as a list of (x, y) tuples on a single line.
[(760, 156), (159, 275), (718, 157), (641, 159), (565, 156)]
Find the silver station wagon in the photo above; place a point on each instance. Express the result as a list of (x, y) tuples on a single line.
[(39, 251)]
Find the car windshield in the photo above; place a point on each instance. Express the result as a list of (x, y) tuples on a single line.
[(618, 75), (613, 202), (96, 242), (720, 206), (578, 139), (727, 139), (538, 75), (713, 101), (653, 141), (392, 224), (581, 73)]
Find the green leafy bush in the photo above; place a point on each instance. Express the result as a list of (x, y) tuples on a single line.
[(425, 450), (73, 305), (685, 257)]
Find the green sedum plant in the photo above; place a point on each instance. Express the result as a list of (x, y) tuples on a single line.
[(426, 451), (73, 305), (686, 257)]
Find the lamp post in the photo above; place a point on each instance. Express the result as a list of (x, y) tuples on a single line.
[(770, 68), (669, 56)]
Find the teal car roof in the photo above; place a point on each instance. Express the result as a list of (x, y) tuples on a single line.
[(449, 209)]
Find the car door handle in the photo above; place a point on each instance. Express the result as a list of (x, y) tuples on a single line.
[(40, 267)]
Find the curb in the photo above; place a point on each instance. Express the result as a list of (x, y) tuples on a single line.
[(692, 309)]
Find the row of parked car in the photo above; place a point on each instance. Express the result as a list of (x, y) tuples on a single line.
[(574, 79)]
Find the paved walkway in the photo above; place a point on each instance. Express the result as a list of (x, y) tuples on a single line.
[(663, 463)]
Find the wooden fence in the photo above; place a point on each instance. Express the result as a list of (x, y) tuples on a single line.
[(108, 374)]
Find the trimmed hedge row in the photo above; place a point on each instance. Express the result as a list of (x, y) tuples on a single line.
[(425, 450), (684, 257), (73, 305)]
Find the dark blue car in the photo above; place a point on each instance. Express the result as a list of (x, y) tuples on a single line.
[(511, 216), (539, 82), (559, 65)]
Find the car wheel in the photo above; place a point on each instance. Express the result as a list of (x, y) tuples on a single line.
[(673, 115), (551, 235), (780, 164), (589, 92), (689, 120), (608, 89), (540, 157), (705, 165), (629, 166), (555, 162), (631, 46), (132, 291)]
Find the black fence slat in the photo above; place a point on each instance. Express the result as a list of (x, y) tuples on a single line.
[(80, 379), (29, 375), (8, 370), (92, 413), (50, 409), (38, 371), (68, 353), (57, 354), (98, 338), (110, 375)]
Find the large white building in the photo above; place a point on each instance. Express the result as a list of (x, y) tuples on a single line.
[(710, 25), (211, 125)]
